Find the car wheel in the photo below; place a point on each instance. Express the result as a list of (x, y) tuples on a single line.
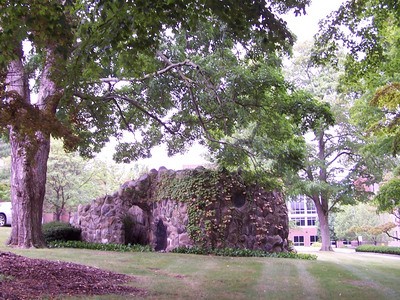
[(3, 220)]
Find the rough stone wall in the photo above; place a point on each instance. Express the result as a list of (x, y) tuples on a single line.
[(237, 216)]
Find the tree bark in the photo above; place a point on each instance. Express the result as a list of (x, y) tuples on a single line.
[(324, 228), (321, 200), (28, 182), (58, 213), (29, 155)]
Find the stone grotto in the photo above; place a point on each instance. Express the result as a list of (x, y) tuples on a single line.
[(168, 209)]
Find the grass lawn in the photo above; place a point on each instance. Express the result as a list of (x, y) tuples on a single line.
[(334, 275)]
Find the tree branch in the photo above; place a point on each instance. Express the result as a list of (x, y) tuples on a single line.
[(186, 62), (391, 236), (333, 204), (188, 81), (148, 113), (209, 85), (331, 137), (339, 155), (122, 116), (137, 104)]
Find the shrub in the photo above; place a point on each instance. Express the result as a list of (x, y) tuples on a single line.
[(100, 246), (54, 231), (379, 249), (316, 245), (239, 252), (291, 247)]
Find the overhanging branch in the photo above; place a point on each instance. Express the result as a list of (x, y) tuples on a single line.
[(170, 67), (391, 236), (189, 85), (339, 155), (148, 113)]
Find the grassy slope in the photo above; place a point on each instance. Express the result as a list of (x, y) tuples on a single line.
[(175, 276)]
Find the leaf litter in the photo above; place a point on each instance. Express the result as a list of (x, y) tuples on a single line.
[(23, 278)]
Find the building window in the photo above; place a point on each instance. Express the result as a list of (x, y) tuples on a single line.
[(299, 221), (297, 207), (298, 240), (311, 209), (311, 221), (313, 239)]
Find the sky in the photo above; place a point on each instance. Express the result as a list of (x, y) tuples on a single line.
[(193, 157), (304, 27)]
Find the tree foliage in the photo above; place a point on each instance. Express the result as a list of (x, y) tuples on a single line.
[(370, 30), (67, 181), (73, 180), (335, 169), (167, 72), (164, 69), (388, 197), (385, 228), (273, 137), (150, 72), (358, 220), (5, 179)]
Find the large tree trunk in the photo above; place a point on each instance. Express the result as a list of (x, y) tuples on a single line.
[(28, 182), (29, 155), (324, 228), (321, 201)]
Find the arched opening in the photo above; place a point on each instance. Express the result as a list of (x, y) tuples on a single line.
[(161, 236)]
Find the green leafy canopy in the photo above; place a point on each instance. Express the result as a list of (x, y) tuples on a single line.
[(369, 31), (158, 72)]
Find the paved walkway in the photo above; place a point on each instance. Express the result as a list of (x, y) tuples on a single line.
[(347, 250), (316, 249)]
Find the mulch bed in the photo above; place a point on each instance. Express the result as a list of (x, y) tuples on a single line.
[(27, 278)]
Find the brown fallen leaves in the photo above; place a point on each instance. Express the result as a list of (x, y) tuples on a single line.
[(27, 278)]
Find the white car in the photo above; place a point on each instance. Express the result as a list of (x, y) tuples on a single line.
[(5, 213)]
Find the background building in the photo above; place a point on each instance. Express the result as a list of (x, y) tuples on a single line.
[(303, 218)]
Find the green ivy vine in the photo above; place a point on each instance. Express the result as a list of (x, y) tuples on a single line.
[(200, 189)]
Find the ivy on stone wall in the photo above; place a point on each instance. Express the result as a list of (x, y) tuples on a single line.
[(212, 209), (201, 189)]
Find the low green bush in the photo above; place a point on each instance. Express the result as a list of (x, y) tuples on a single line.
[(60, 231), (55, 224), (291, 246), (232, 252), (316, 245), (100, 246), (378, 249), (239, 252)]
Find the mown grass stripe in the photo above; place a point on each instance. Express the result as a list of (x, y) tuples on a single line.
[(310, 285), (353, 274), (279, 280)]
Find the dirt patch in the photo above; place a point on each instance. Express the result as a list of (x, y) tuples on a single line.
[(26, 278)]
